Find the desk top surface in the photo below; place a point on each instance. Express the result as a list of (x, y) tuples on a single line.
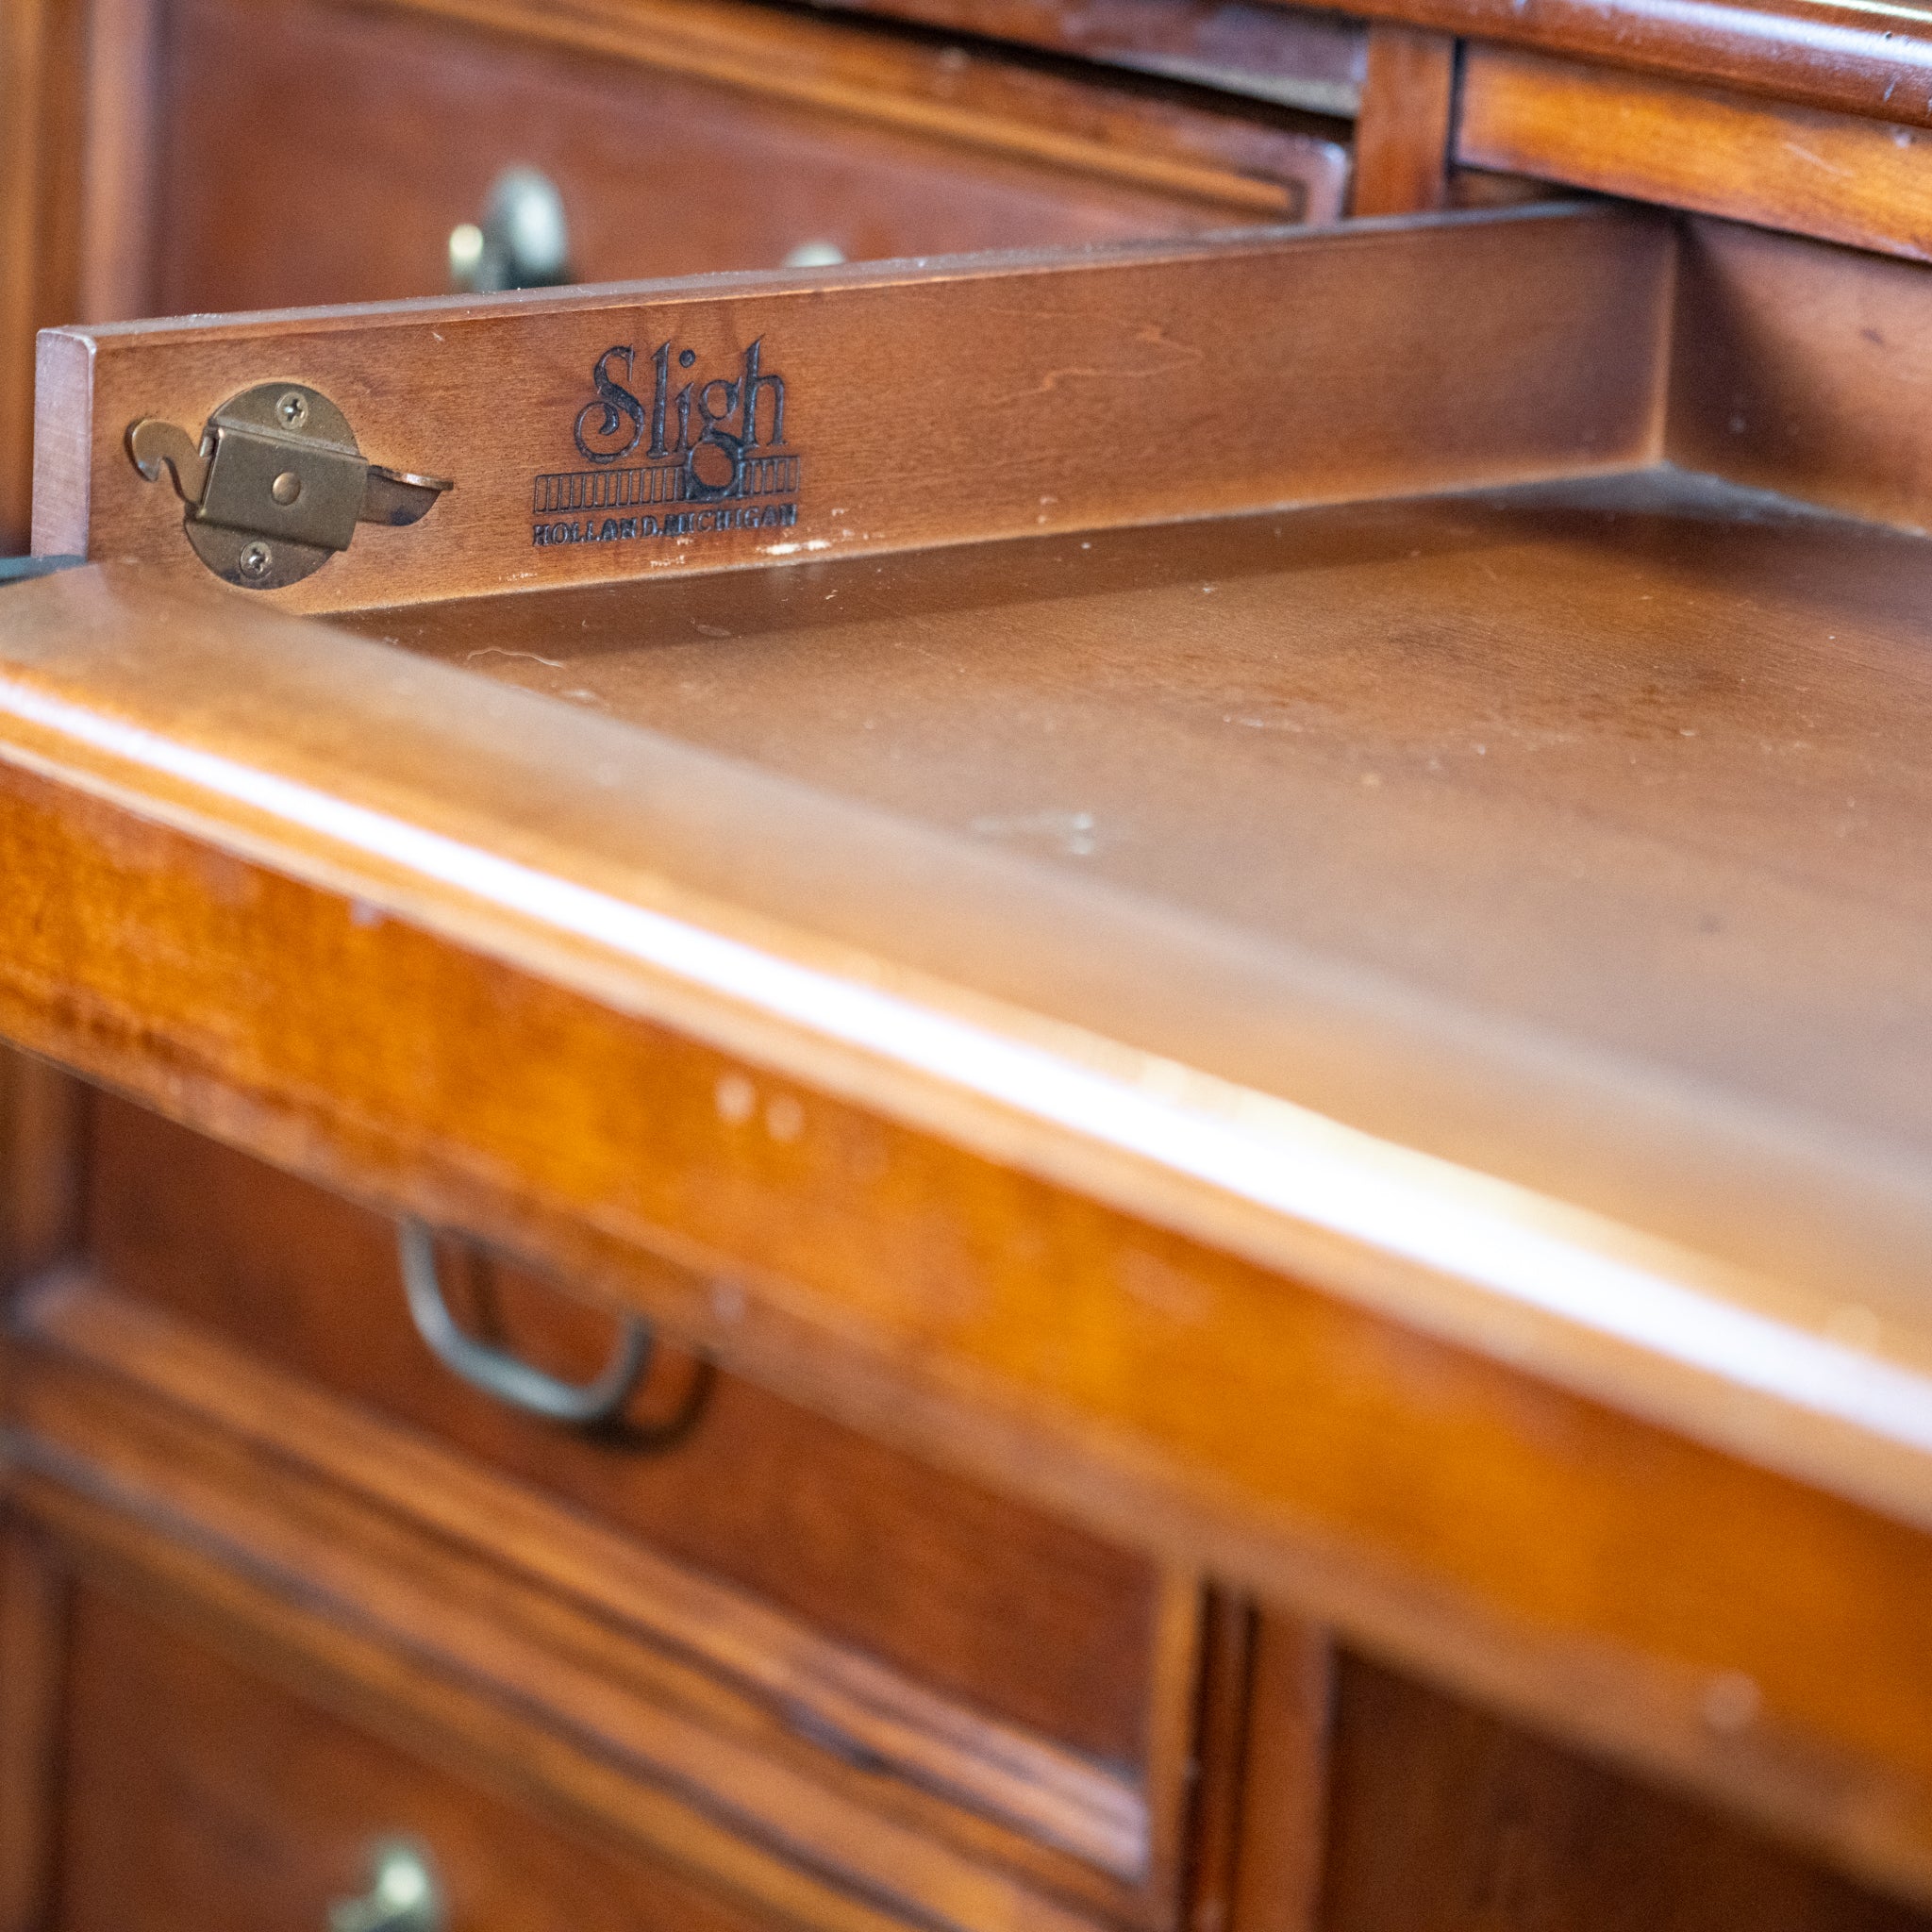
[(1574, 832)]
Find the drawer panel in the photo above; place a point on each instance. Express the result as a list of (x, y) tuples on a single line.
[(199, 1794), (345, 187), (1012, 1612)]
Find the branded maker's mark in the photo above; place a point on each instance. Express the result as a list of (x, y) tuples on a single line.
[(710, 454)]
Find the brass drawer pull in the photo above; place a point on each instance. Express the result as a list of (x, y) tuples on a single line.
[(523, 241), (404, 1894), (498, 1373)]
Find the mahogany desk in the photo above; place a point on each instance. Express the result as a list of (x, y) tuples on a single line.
[(1167, 998)]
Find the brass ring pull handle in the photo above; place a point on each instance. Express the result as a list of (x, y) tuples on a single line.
[(498, 1373), (403, 1895)]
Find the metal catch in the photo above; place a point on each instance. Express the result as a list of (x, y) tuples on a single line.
[(277, 485)]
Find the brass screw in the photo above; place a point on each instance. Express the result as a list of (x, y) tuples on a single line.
[(255, 560), (294, 409), (286, 487)]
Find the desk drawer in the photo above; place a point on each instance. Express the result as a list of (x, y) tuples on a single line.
[(886, 1638), (1019, 1615), (683, 140), (197, 1792)]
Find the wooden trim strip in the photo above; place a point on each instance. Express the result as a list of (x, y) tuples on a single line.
[(1849, 57), (937, 403), (1836, 176)]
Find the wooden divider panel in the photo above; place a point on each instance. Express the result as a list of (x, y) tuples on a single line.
[(738, 420)]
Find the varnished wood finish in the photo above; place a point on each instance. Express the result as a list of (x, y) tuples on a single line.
[(41, 47), (929, 404), (203, 1795), (1403, 134), (33, 1677), (1840, 54), (772, 133), (1310, 59), (1260, 1824), (729, 1785), (771, 1671), (41, 1124), (117, 238), (1447, 1821), (1128, 1027), (925, 90), (992, 1305), (1841, 178), (1281, 1863), (1800, 369)]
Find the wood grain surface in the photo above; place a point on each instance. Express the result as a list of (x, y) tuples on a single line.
[(1850, 56), (1838, 177), (1311, 59), (1803, 369), (965, 95), (227, 831), (1404, 131), (202, 1792), (407, 120), (718, 1783), (922, 404)]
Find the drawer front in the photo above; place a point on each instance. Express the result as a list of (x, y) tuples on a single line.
[(1007, 1611), (197, 1793), (346, 186)]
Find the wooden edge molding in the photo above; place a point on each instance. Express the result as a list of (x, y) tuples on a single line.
[(420, 1699), (1838, 55), (830, 1696), (1852, 57), (1119, 1264), (1839, 178), (884, 407), (488, 825)]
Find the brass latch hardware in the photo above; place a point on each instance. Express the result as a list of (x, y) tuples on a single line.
[(277, 485)]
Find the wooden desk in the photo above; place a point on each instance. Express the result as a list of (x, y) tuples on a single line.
[(1243, 1011)]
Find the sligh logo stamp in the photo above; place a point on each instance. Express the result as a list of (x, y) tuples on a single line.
[(709, 454)]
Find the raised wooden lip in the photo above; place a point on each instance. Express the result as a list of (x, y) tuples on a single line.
[(927, 402), (485, 817)]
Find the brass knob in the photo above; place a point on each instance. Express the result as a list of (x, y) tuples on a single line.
[(523, 241), (404, 1894)]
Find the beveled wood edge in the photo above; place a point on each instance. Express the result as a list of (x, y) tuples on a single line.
[(1025, 1780), (1848, 54), (1734, 1357)]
